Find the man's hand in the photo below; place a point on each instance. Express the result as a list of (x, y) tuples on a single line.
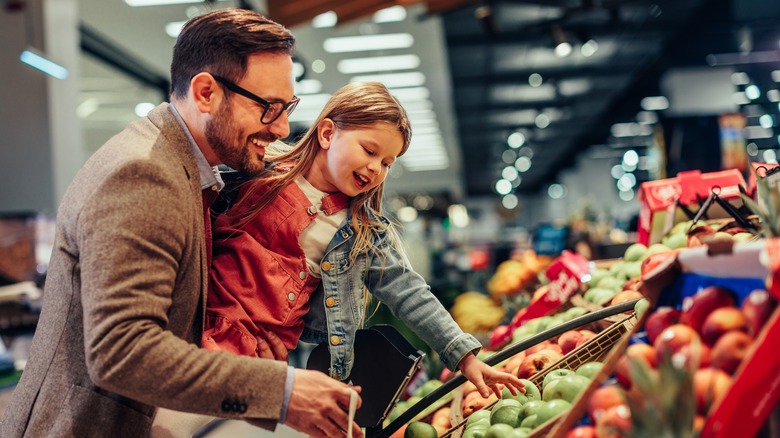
[(487, 378), (319, 405)]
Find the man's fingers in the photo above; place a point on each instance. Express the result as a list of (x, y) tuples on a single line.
[(277, 347)]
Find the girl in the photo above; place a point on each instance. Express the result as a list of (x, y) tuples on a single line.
[(297, 254)]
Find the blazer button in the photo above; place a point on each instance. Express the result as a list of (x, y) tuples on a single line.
[(236, 407), (335, 340), (330, 302), (242, 408), (226, 405), (326, 266)]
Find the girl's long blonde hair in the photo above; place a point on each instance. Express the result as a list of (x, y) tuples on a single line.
[(357, 105)]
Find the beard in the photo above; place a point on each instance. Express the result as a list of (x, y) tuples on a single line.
[(224, 136)]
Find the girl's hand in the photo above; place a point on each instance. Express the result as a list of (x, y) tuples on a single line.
[(487, 378)]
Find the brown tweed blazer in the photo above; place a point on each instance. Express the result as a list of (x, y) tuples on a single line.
[(124, 301)]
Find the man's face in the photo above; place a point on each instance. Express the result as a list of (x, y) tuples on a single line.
[(235, 133)]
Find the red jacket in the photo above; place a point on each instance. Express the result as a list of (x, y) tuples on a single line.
[(258, 279)]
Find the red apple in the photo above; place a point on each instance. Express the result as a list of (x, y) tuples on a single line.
[(709, 384), (696, 308), (568, 340), (730, 349), (582, 432), (587, 335), (720, 321), (533, 363), (615, 422), (757, 308), (603, 398), (638, 351), (660, 319), (625, 295), (672, 339), (544, 345), (693, 353)]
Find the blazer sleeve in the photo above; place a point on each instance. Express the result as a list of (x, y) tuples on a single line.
[(136, 233)]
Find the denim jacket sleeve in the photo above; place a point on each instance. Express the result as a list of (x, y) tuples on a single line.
[(390, 279)]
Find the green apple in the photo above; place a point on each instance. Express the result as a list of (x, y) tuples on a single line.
[(635, 252), (640, 307), (507, 413), (554, 375), (418, 429), (481, 415), (475, 432), (531, 391), (566, 388), (656, 248), (632, 270), (506, 394), (550, 410), (612, 283), (574, 312), (529, 421), (499, 430), (589, 369), (597, 274), (599, 295), (521, 432), (675, 240), (531, 408)]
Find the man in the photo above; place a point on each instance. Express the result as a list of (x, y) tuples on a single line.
[(124, 299)]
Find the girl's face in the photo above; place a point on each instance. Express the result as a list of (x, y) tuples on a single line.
[(353, 161)]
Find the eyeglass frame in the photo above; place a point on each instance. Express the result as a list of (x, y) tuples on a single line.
[(288, 107)]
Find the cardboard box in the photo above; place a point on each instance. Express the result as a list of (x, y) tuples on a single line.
[(658, 200)]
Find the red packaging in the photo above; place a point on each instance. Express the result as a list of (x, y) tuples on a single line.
[(658, 212)]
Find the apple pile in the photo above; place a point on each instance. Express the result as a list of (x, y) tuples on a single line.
[(518, 415), (710, 335)]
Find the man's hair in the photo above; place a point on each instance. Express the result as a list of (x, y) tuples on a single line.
[(220, 41)]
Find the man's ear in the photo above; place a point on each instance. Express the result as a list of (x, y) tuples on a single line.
[(206, 92), (325, 130)]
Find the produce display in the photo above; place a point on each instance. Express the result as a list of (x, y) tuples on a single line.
[(693, 349)]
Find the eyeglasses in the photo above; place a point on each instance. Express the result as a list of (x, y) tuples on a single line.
[(271, 110)]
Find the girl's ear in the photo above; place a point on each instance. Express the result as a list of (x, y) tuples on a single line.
[(325, 130), (205, 90)]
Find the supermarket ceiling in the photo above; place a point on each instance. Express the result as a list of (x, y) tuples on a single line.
[(500, 94)]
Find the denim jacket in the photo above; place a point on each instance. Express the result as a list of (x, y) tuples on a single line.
[(390, 279)]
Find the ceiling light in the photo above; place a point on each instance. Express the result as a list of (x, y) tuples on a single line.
[(631, 157), (563, 49), (740, 78), (535, 80), (766, 121), (368, 42), (378, 63), (542, 121), (516, 139), (770, 156), (509, 156), (752, 149), (526, 152), (776, 75), (325, 20), (503, 187), (510, 201), (308, 86), (626, 195), (654, 103), (752, 92), (646, 117), (138, 3), (143, 108), (523, 164), (556, 191), (589, 48), (411, 94), (773, 95), (318, 66), (394, 80), (173, 29), (389, 15), (509, 173), (43, 64)]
